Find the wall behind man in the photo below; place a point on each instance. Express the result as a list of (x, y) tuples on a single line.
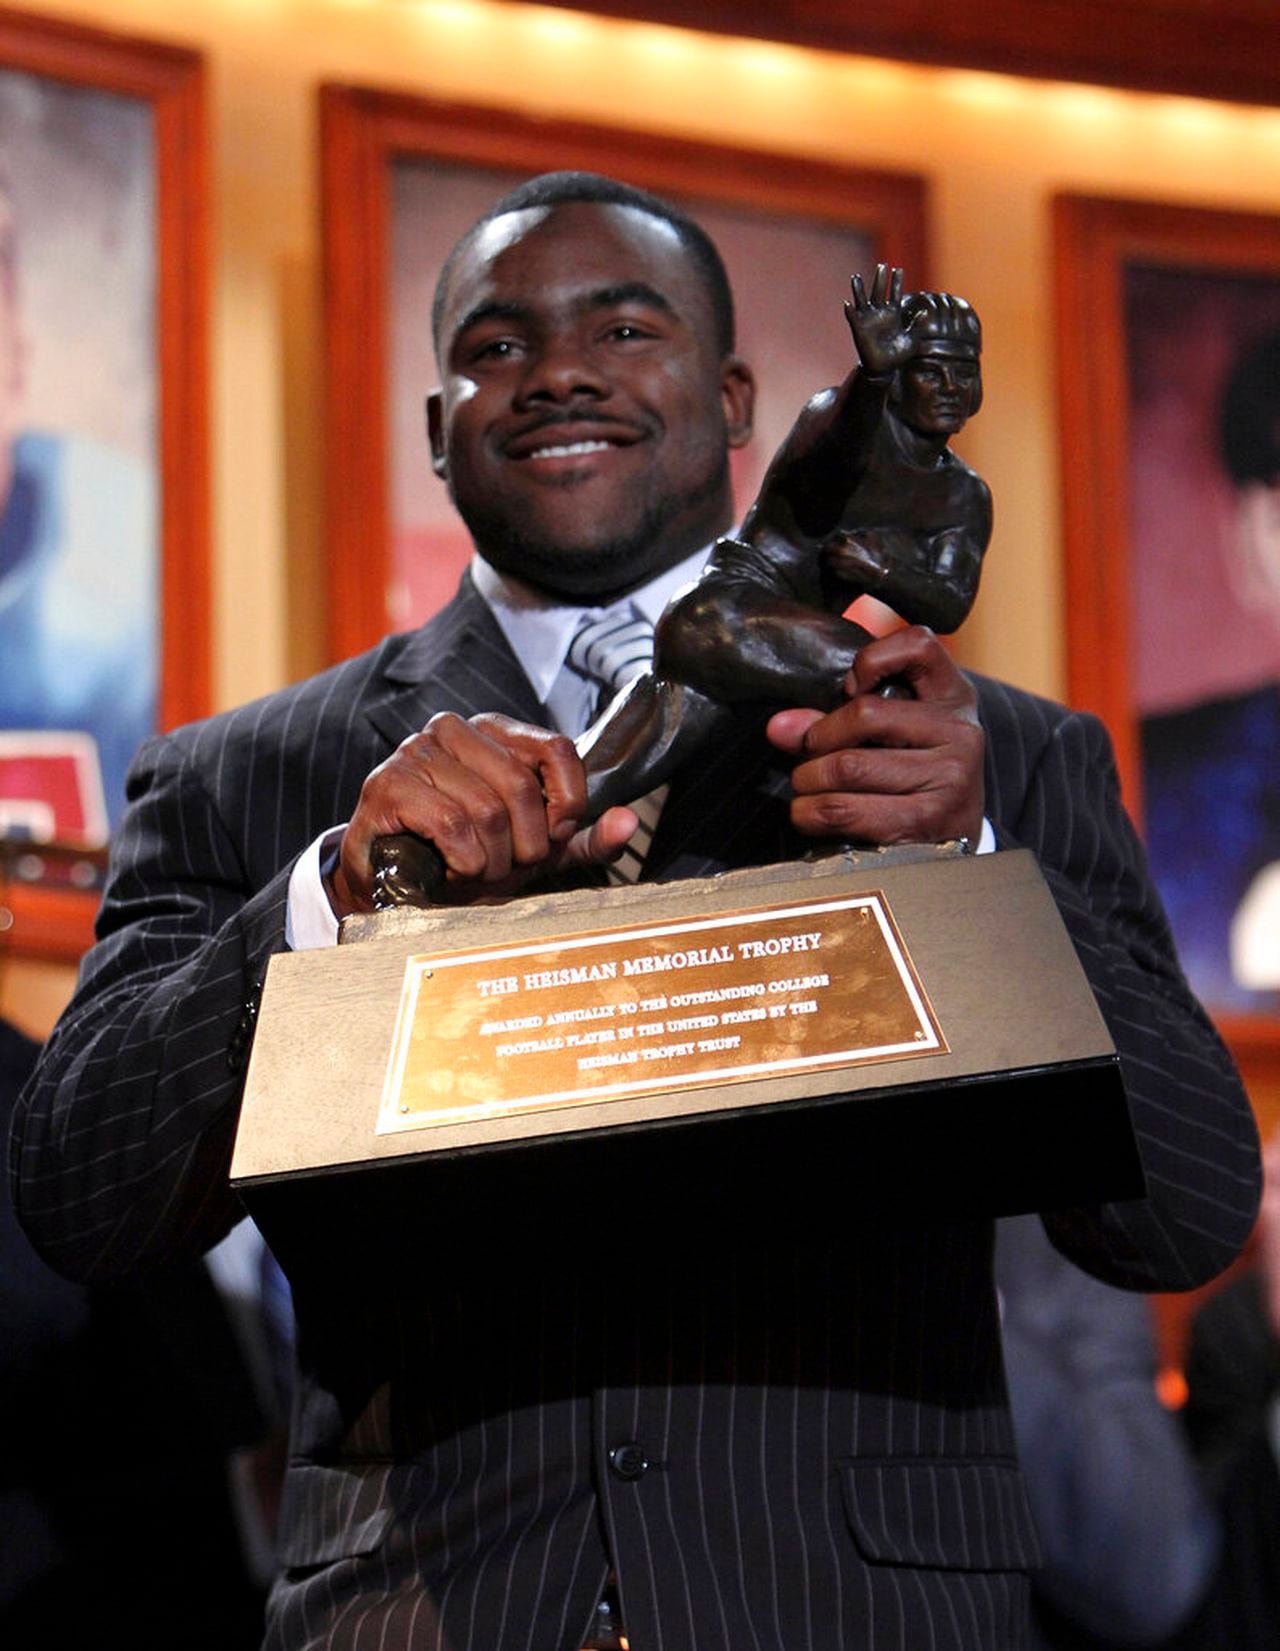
[(993, 148)]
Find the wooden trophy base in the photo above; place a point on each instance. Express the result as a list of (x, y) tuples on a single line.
[(906, 1030)]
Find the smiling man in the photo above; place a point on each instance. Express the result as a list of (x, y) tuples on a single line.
[(589, 396), (747, 1425)]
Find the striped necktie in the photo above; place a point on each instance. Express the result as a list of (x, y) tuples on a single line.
[(613, 651)]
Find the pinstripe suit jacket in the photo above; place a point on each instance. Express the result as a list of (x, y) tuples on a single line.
[(786, 1427)]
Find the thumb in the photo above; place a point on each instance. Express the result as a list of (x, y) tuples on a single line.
[(603, 841)]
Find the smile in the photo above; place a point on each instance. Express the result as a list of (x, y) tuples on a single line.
[(570, 450), (553, 440)]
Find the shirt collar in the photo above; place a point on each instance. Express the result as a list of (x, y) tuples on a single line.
[(540, 629)]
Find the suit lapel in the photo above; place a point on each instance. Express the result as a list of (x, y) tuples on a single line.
[(458, 661)]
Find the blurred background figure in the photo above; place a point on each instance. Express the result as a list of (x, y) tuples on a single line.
[(1233, 1420), (1130, 1539), (140, 1448), (1219, 758)]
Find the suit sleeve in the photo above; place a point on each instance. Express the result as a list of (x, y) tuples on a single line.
[(1128, 1535), (123, 1137), (1057, 793)]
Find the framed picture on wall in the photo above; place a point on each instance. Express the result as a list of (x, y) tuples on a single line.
[(404, 177), (103, 479), (1169, 343)]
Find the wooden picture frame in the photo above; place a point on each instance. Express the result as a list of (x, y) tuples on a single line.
[(48, 899), (366, 132), (1157, 306)]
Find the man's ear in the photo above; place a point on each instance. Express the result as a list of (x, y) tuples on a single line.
[(435, 432), (738, 394)]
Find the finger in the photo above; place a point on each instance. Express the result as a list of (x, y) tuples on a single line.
[(556, 763), (787, 729), (879, 285), (859, 293), (597, 844), (895, 288), (889, 770), (915, 655), (490, 771), (863, 770), (928, 791), (870, 719), (869, 817)]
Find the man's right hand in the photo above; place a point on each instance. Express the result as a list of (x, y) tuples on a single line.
[(500, 800)]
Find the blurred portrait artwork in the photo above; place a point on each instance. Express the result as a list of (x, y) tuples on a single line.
[(79, 508), (793, 353), (1204, 510)]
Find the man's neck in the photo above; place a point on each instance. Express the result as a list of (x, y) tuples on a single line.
[(508, 590)]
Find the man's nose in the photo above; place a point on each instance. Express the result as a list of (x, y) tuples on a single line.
[(562, 370)]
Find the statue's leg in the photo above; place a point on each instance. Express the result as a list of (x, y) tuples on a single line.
[(742, 644), (651, 730)]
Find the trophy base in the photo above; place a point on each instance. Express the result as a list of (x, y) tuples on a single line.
[(904, 1030)]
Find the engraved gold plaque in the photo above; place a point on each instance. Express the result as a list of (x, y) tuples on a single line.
[(571, 1020)]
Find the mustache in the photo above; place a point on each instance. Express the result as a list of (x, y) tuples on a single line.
[(575, 420)]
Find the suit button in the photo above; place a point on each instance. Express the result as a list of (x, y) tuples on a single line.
[(628, 1461)]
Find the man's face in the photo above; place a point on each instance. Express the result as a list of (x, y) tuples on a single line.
[(938, 391), (585, 416)]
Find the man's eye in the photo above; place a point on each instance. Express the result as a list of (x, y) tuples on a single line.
[(494, 349), (624, 332)]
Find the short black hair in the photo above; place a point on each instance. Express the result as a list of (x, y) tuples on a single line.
[(1249, 416), (563, 188)]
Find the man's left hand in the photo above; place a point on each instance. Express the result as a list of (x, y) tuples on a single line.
[(890, 770)]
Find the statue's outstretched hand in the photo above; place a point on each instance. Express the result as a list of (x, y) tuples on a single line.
[(875, 320)]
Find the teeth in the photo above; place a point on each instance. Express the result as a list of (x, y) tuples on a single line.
[(571, 450)]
